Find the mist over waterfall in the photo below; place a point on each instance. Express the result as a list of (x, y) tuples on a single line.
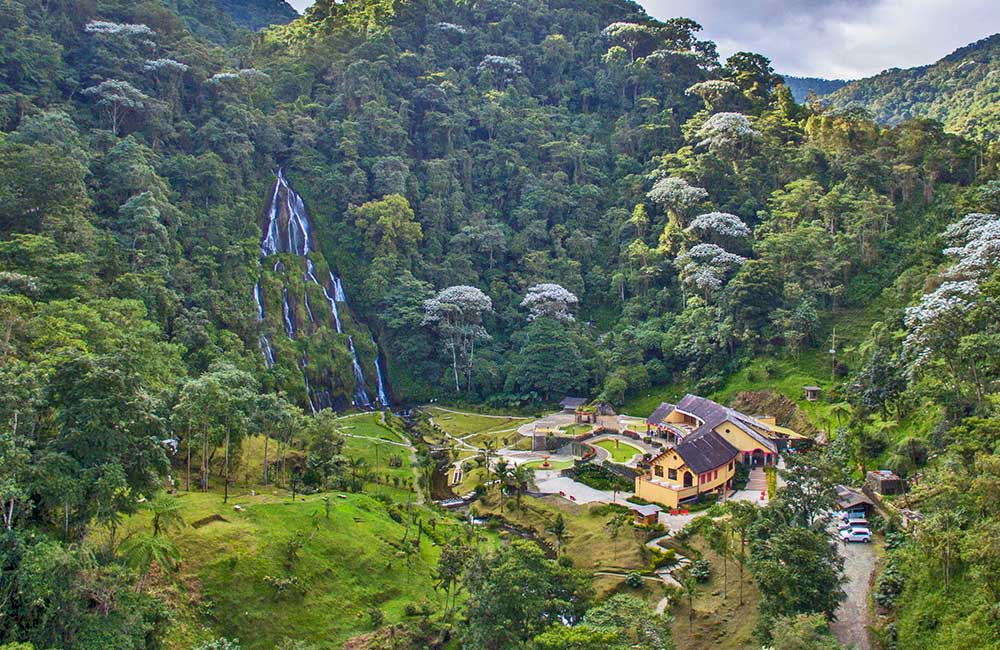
[(288, 229)]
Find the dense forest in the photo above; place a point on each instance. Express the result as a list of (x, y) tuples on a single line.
[(502, 203), (960, 91)]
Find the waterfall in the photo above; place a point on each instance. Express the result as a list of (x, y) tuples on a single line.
[(305, 301), (289, 230), (311, 271), (338, 290), (305, 377), (286, 312), (333, 306), (361, 397), (260, 303), (267, 351), (383, 398)]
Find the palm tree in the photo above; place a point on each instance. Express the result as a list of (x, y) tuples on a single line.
[(501, 469), (142, 551), (520, 478), (558, 530), (718, 540), (166, 514), (689, 586), (841, 410), (742, 517)]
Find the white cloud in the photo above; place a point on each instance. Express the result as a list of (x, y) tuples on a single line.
[(838, 38), (300, 5)]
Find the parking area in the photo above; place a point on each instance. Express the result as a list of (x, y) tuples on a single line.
[(851, 624)]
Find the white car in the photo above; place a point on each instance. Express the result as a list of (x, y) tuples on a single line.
[(859, 534)]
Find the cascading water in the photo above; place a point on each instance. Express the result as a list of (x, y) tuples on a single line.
[(260, 303), (383, 398), (288, 230), (286, 313), (305, 302), (333, 304), (361, 397), (267, 351), (305, 376)]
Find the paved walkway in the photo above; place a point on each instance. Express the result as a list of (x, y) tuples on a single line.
[(551, 483)]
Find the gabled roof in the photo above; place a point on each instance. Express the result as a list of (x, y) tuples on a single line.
[(706, 452), (660, 414), (712, 414), (847, 497), (572, 402)]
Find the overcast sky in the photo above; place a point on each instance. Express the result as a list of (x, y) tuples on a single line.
[(834, 38)]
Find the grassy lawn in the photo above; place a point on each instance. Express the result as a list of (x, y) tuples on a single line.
[(574, 430), (621, 452), (347, 565), (719, 622), (465, 424), (553, 464), (590, 544)]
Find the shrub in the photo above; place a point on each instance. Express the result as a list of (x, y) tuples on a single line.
[(219, 644), (634, 580), (417, 609), (700, 570), (376, 617), (659, 559), (890, 584)]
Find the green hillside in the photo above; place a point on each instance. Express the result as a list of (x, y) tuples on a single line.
[(962, 91), (222, 250)]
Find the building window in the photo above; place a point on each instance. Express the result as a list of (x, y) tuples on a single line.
[(732, 465), (658, 470), (715, 475), (672, 474)]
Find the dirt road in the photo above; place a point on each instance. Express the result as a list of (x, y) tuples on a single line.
[(850, 628)]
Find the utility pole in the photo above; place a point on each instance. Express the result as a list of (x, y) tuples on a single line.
[(833, 355)]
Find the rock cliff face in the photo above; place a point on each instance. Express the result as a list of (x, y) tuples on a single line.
[(784, 410)]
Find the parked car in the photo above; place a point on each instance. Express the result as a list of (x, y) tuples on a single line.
[(853, 523), (862, 535)]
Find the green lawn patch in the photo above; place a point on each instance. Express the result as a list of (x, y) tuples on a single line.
[(553, 464), (621, 452)]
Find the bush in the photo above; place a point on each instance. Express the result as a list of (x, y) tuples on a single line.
[(376, 617), (634, 580), (417, 609), (890, 584), (660, 559), (600, 478), (700, 570), (219, 644)]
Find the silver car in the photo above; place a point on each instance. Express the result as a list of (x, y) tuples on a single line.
[(859, 534)]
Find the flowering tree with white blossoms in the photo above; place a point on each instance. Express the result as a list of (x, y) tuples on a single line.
[(552, 300), (119, 29), (502, 68), (955, 323), (719, 226), (705, 267), (456, 314), (713, 91), (628, 35), (727, 134), (118, 99), (676, 195)]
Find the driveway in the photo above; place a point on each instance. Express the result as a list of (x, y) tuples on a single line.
[(851, 624)]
